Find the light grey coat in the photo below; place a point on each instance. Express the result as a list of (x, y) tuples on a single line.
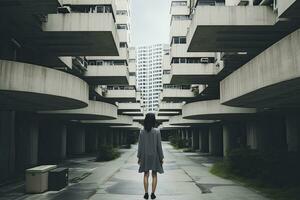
[(150, 151)]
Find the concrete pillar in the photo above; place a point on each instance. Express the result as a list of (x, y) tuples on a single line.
[(91, 139), (102, 135), (7, 144), (116, 138), (228, 138), (27, 137), (252, 134), (216, 140), (203, 139), (110, 137), (195, 139), (293, 132), (52, 141), (182, 134), (76, 139), (122, 138)]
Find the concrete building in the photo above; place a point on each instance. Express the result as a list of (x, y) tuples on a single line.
[(149, 74), (239, 59), (67, 80)]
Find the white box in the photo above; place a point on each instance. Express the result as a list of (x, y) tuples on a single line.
[(37, 178)]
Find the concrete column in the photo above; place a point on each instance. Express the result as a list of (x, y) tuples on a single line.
[(7, 144), (195, 139), (252, 134), (102, 135), (203, 140), (52, 141), (122, 138), (182, 134), (76, 135), (215, 140), (110, 137), (91, 139), (27, 137), (293, 132)]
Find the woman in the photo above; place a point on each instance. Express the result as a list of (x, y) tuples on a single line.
[(150, 154)]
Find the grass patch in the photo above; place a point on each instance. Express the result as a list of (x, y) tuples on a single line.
[(222, 169)]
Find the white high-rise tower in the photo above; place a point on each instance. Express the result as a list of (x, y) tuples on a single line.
[(149, 74)]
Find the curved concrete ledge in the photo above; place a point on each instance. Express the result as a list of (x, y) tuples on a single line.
[(272, 79), (135, 126), (178, 120), (213, 110), (122, 120), (26, 86), (167, 126), (95, 110)]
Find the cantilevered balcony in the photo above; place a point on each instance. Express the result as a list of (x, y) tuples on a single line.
[(79, 34), (121, 120), (107, 74), (121, 94), (179, 121), (270, 80), (96, 110), (214, 110), (170, 106), (194, 73), (177, 94), (235, 29), (30, 87)]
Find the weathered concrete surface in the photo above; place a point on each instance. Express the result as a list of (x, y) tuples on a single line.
[(96, 110), (212, 109), (85, 31), (269, 80), (30, 87)]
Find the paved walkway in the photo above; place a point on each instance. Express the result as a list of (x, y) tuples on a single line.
[(186, 177)]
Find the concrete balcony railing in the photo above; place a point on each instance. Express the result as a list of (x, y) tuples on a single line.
[(79, 34), (126, 107), (176, 94), (166, 62), (179, 10), (121, 120), (166, 79), (125, 94), (123, 35), (269, 80), (122, 19), (194, 73), (166, 106), (181, 51), (106, 74), (179, 28), (233, 29), (30, 87), (132, 80), (132, 67), (179, 121), (96, 110), (213, 110)]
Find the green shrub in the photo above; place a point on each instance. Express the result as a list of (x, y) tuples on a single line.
[(272, 168), (177, 142), (107, 153)]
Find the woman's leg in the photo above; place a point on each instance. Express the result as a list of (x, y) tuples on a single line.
[(154, 181), (146, 178)]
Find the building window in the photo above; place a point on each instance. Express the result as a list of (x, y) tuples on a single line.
[(122, 26), (123, 45), (179, 3), (179, 40), (121, 12)]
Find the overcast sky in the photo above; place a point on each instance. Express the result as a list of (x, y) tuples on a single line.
[(150, 22)]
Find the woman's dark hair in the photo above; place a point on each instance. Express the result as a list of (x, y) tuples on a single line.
[(149, 121)]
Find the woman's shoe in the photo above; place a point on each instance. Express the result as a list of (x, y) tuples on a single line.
[(146, 196), (153, 196)]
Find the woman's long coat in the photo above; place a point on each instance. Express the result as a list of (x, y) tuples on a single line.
[(150, 151)]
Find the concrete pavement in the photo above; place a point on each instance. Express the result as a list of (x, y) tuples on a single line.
[(186, 177)]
